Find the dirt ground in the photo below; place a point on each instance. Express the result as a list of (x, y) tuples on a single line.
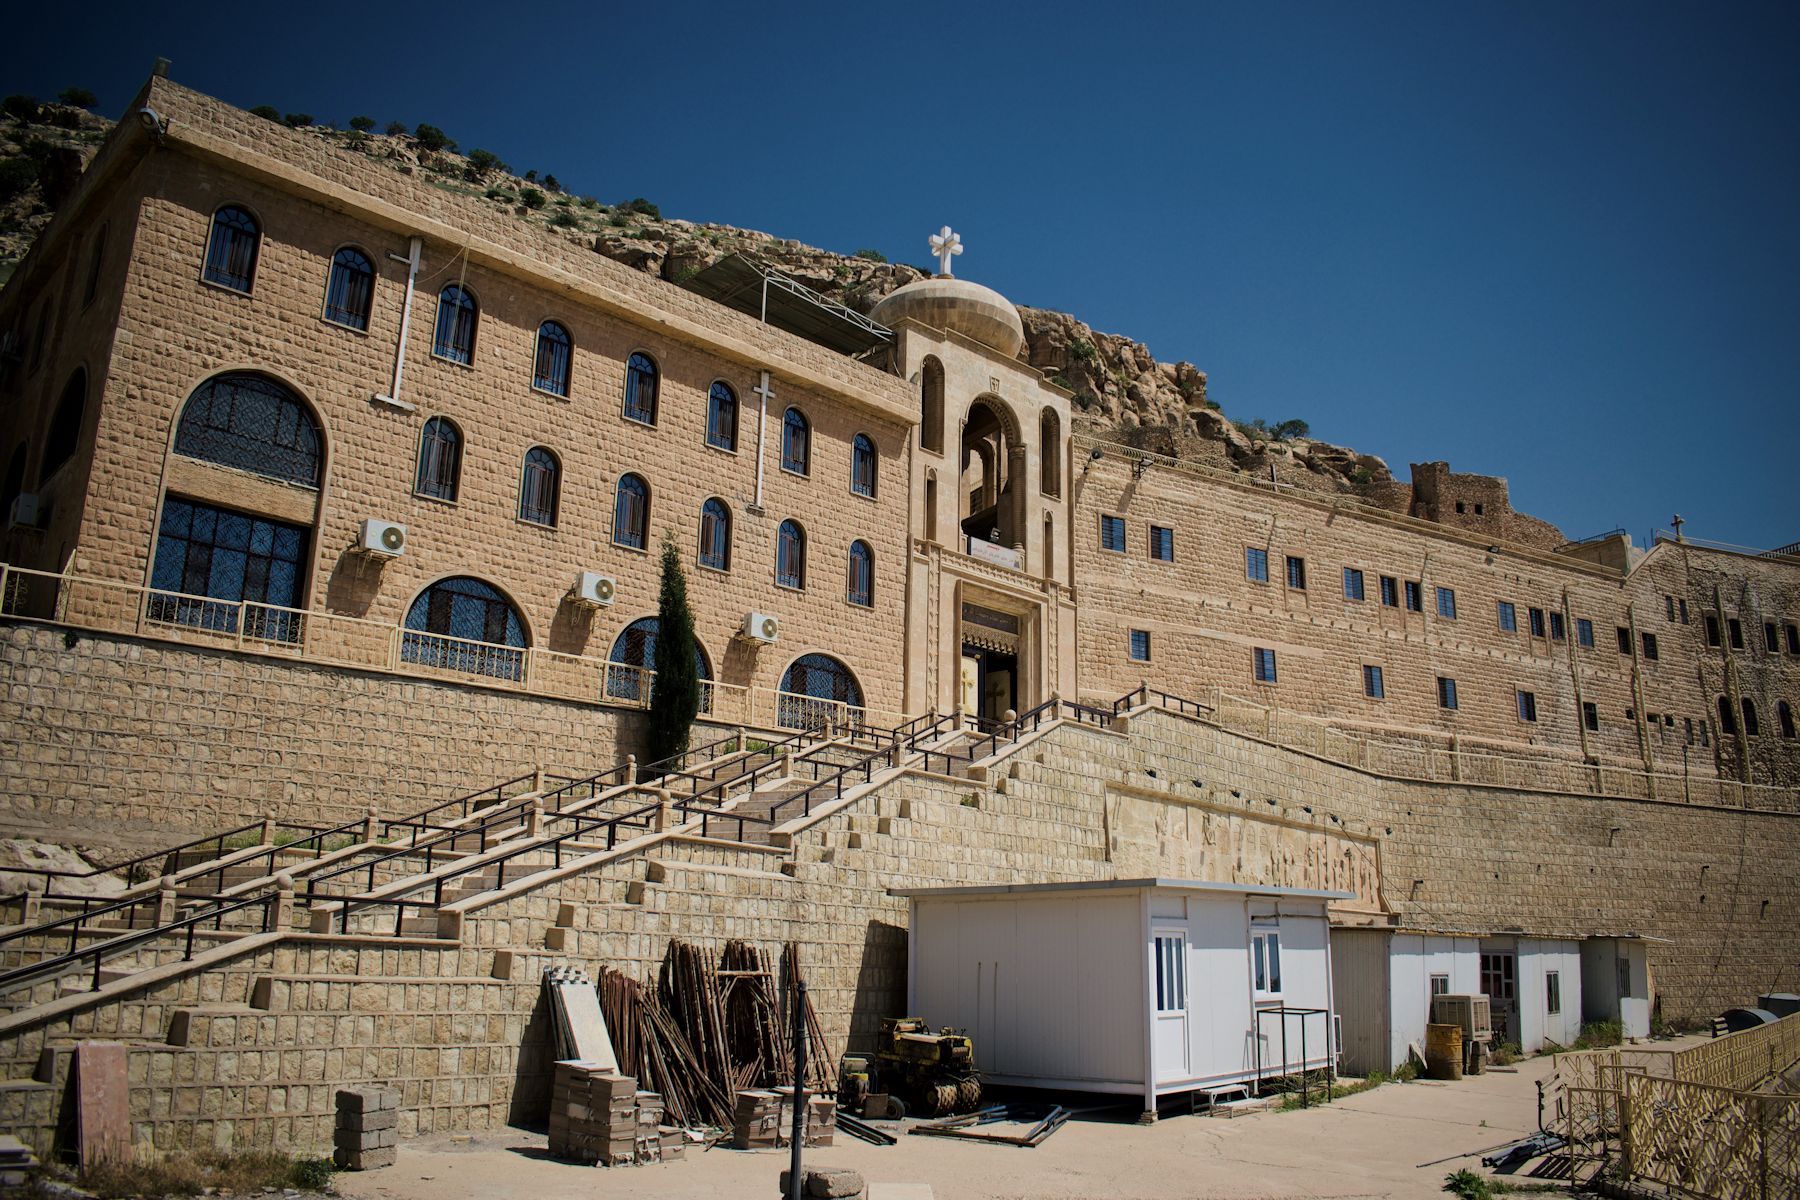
[(1368, 1145)]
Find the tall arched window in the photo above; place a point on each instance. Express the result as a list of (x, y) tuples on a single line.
[(721, 416), (64, 434), (715, 535), (231, 249), (253, 423), (1750, 726), (440, 459), (790, 555), (456, 317), (555, 354), (634, 652), (464, 624), (1727, 718), (816, 688), (796, 443), (350, 289), (1050, 452), (931, 406), (640, 389), (1785, 715), (631, 513), (862, 465), (538, 487), (861, 584)]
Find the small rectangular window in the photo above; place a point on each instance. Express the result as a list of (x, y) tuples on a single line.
[(1552, 992), (1509, 618), (1558, 631), (1793, 638), (1771, 637), (1390, 592), (1415, 601), (1712, 629), (1527, 706), (1112, 533), (1296, 573), (1669, 603), (1263, 662), (1688, 729), (1446, 600), (1446, 692), (1736, 629), (1537, 622), (1584, 632), (1265, 954), (1140, 645), (1649, 640), (1590, 716), (1162, 543), (1681, 607), (1440, 985), (1353, 584), (1372, 684), (1624, 640), (1705, 736), (1171, 973), (1256, 564)]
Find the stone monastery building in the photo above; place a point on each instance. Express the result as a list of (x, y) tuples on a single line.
[(333, 491)]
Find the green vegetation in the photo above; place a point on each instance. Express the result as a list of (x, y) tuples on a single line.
[(482, 163), (675, 696), (432, 139), (267, 112), (297, 120), (532, 198), (1467, 1185), (1597, 1035), (564, 219), (395, 129), (642, 207), (1362, 476), (870, 256), (1505, 1054), (362, 124), (501, 194), (206, 1172), (551, 183), (77, 97), (1316, 1083), (16, 177), (1082, 350)]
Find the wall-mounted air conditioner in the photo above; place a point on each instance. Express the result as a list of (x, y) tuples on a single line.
[(24, 512), (594, 589), (761, 627), (382, 539)]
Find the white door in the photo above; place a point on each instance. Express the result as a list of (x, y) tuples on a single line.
[(1169, 1041)]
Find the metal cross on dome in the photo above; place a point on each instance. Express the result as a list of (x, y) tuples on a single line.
[(946, 243)]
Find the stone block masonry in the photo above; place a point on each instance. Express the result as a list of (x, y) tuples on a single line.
[(367, 1122)]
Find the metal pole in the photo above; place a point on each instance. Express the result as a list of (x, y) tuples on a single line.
[(794, 1180)]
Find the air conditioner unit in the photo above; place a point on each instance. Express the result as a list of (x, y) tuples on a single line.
[(761, 627), (24, 512), (382, 539), (594, 589)]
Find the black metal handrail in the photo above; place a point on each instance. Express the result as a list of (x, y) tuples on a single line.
[(466, 803), (316, 837), (583, 824), (1192, 708), (57, 873)]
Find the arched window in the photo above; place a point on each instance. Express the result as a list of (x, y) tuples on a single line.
[(715, 535), (210, 561), (861, 584), (796, 443), (631, 513), (790, 555), (862, 465), (1785, 715), (931, 406), (350, 289), (64, 434), (538, 487), (440, 459), (634, 656), (231, 250), (1727, 718), (721, 416), (816, 688), (455, 336), (1050, 452), (253, 423), (555, 353), (1750, 727), (463, 624), (640, 389)]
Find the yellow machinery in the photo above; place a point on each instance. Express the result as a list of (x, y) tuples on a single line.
[(933, 1072)]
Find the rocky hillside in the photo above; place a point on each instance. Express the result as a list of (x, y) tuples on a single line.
[(1120, 389)]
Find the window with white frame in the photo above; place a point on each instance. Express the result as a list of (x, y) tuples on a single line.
[(1440, 985), (1552, 992), (1171, 973), (1265, 957)]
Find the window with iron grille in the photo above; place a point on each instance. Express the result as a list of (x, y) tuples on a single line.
[(635, 651), (862, 465), (555, 359), (464, 624), (253, 423), (440, 459), (1296, 573), (1446, 689), (1162, 543), (454, 337), (1527, 706), (1263, 664), (1446, 603), (538, 487), (1140, 645), (1669, 604), (715, 535), (1353, 584), (1256, 564), (1509, 617), (1584, 632), (231, 249), (721, 416), (1112, 533), (631, 512), (1390, 592), (790, 555), (1373, 687), (1649, 643), (814, 686), (1537, 622), (641, 383), (210, 560), (63, 437), (350, 289), (796, 443), (1415, 596), (861, 589), (1558, 630)]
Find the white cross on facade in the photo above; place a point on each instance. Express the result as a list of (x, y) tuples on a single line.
[(946, 243)]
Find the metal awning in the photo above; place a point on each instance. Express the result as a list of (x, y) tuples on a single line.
[(752, 286)]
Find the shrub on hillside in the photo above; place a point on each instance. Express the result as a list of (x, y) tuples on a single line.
[(297, 120), (532, 198), (433, 139), (642, 207), (23, 109), (77, 97), (362, 124), (267, 112)]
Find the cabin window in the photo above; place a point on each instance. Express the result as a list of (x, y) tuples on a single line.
[(1265, 960), (1171, 973)]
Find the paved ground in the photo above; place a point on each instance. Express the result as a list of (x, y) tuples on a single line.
[(1368, 1145)]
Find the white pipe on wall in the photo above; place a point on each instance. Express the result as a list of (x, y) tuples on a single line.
[(412, 274)]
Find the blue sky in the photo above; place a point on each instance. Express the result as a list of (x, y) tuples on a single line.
[(1556, 242)]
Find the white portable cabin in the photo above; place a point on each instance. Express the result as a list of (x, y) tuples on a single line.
[(1533, 986), (1615, 982), (1147, 987), (1384, 979)]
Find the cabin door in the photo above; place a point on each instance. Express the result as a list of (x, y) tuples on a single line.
[(1499, 982), (1169, 1040)]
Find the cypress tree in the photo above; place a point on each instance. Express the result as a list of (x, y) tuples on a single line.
[(675, 696)]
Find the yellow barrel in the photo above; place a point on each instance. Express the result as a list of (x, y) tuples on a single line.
[(1443, 1051)]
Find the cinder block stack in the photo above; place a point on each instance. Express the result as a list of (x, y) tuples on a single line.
[(368, 1120), (594, 1114)]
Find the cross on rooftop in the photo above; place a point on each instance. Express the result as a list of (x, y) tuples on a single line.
[(946, 243)]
